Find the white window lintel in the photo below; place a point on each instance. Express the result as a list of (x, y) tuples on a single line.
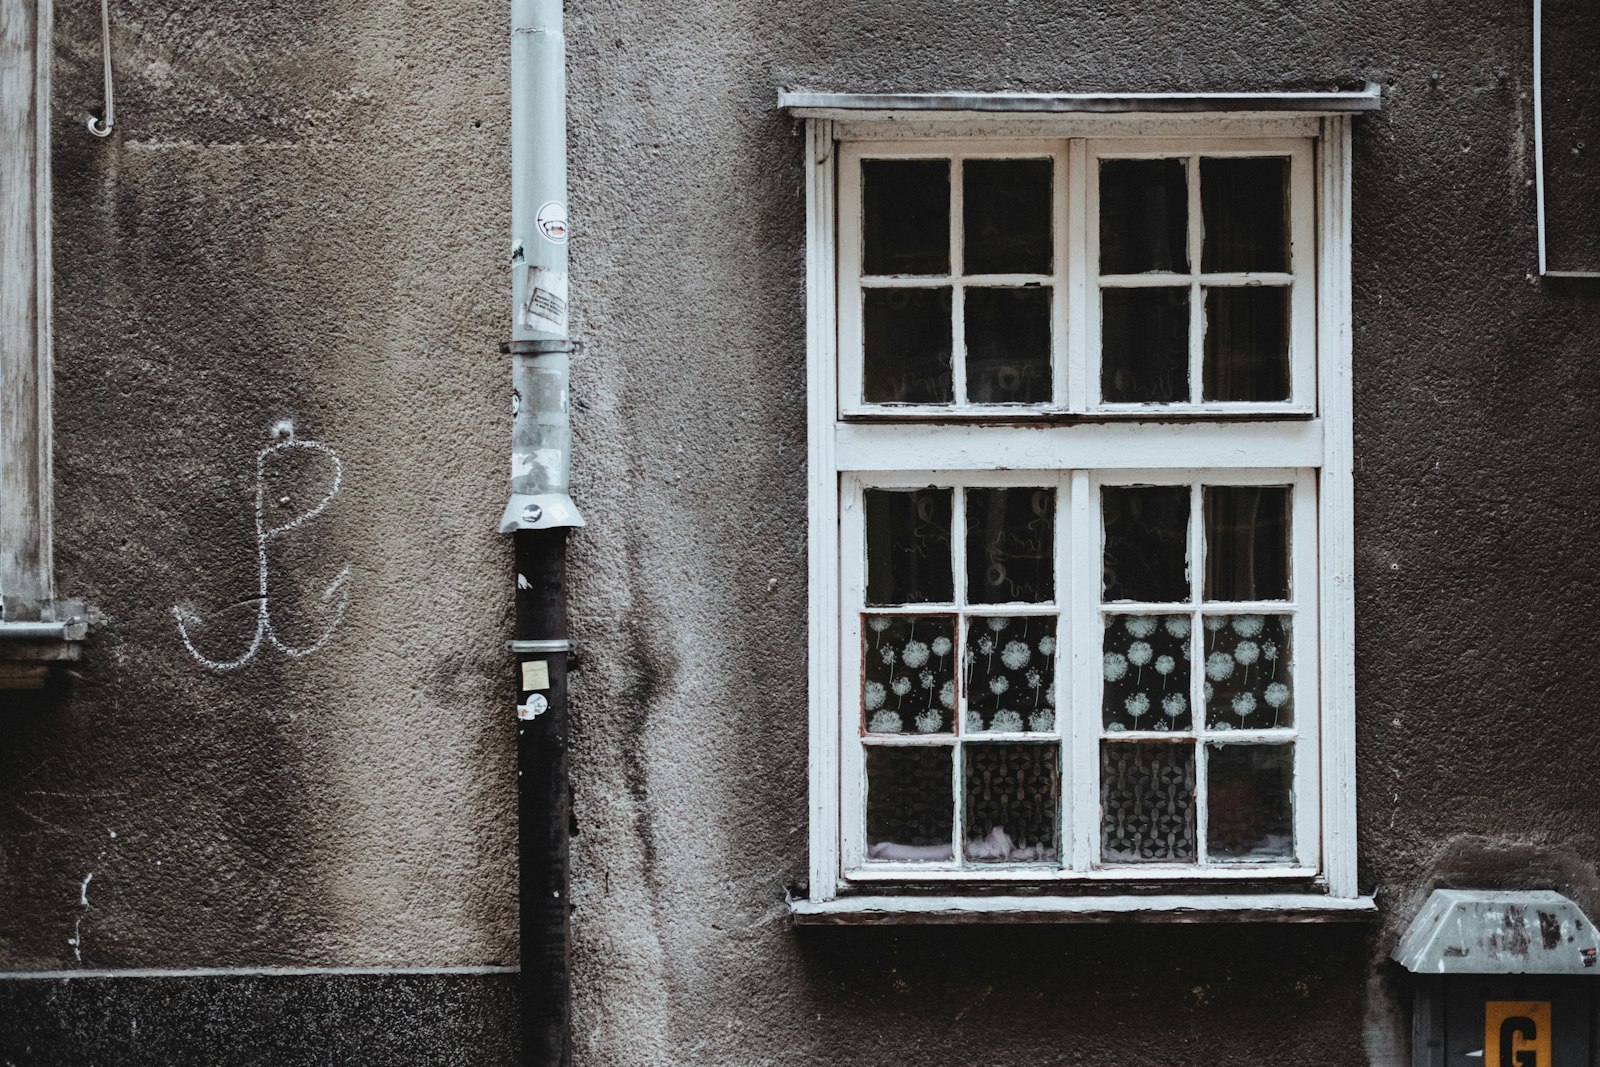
[(838, 105)]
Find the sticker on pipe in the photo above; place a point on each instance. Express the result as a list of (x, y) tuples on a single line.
[(546, 306), (536, 675), (552, 221)]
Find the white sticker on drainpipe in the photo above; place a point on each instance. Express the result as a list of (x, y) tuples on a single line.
[(546, 306), (536, 674), (552, 221)]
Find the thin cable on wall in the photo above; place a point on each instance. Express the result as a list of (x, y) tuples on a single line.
[(102, 127)]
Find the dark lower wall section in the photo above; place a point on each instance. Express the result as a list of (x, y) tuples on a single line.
[(1066, 996), (282, 1020)]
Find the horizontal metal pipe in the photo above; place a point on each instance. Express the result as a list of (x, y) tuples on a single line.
[(73, 629)]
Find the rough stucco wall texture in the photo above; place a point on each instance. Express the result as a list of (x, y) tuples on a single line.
[(302, 217)]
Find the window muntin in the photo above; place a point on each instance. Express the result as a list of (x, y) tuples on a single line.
[(1045, 674), (1079, 276), (931, 733), (1202, 255), (952, 287), (1208, 645)]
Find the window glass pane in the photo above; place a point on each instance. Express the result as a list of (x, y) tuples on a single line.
[(1245, 206), (1012, 804), (1006, 216), (1146, 543), (1011, 545), (1247, 343), (1144, 216), (905, 216), (1250, 802), (1010, 675), (1145, 665), (906, 346), (1249, 682), (1144, 345), (1247, 542), (1147, 802), (910, 809), (1008, 345), (908, 546), (908, 674)]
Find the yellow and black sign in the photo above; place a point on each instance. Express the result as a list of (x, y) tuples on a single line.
[(1516, 1033)]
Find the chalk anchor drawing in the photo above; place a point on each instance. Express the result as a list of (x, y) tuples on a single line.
[(285, 440)]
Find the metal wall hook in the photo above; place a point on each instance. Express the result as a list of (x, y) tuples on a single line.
[(97, 126)]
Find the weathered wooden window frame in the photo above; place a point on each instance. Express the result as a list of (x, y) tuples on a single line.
[(1308, 440), (36, 629)]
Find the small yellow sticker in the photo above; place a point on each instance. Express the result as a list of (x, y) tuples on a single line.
[(1516, 1032), (535, 675)]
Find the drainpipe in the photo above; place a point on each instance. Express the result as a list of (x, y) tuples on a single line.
[(538, 516)]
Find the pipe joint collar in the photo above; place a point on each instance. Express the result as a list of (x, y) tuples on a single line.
[(539, 511), (539, 348)]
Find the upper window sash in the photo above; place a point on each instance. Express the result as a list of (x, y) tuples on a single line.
[(1066, 301)]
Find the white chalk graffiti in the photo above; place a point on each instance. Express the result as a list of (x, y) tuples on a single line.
[(283, 434), (76, 940)]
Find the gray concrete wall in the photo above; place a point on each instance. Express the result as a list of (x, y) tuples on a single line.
[(300, 216), (303, 215)]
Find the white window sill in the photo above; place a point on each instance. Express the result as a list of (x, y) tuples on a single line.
[(1273, 907)]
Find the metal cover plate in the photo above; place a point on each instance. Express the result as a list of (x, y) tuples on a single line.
[(1483, 931)]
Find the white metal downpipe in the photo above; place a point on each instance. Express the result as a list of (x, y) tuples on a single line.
[(541, 451)]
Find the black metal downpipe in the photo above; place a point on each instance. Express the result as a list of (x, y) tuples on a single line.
[(544, 800)]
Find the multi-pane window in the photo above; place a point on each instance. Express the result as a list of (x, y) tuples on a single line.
[(970, 286), (960, 623), (1153, 645), (1070, 452)]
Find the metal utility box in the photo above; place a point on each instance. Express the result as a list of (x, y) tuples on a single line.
[(1502, 980)]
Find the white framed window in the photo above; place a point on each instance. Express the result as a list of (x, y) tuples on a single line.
[(1081, 517)]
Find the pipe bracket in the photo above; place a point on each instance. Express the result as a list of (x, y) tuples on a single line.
[(540, 348), (560, 644)]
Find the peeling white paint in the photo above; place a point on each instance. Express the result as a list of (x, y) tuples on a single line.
[(548, 460)]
